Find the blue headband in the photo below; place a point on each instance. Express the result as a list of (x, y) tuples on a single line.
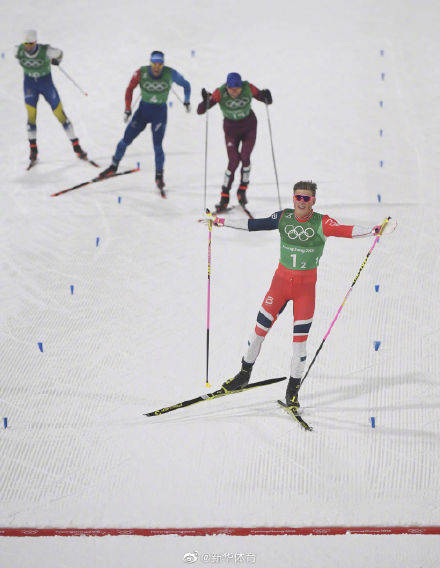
[(157, 57)]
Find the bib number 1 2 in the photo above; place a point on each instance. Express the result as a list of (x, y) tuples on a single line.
[(303, 264)]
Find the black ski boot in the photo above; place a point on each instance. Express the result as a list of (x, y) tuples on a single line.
[(224, 201), (34, 150), (241, 379), (108, 172), (159, 181), (292, 393), (78, 150), (241, 194)]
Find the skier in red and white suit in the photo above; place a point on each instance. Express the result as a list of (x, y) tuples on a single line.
[(303, 233)]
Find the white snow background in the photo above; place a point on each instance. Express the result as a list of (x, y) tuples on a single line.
[(131, 338)]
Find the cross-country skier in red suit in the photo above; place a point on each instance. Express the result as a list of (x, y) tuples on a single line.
[(303, 234), (240, 127)]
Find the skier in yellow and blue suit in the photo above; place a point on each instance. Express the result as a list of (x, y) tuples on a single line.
[(36, 59)]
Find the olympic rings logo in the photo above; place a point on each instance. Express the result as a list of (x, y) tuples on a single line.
[(32, 63), (237, 103), (299, 232), (150, 86)]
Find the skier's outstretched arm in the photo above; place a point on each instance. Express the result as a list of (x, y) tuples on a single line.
[(262, 224), (331, 228)]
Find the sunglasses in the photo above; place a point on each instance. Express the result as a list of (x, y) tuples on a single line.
[(305, 198), (29, 43)]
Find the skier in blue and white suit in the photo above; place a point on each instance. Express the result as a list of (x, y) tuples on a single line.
[(155, 81)]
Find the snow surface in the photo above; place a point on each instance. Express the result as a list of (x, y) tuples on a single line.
[(131, 338)]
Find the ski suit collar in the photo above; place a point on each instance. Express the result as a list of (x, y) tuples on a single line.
[(305, 218)]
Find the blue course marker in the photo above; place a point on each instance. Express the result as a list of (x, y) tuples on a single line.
[(3, 55), (382, 76), (119, 199), (381, 103), (71, 288), (171, 103), (376, 345), (378, 197), (5, 422), (139, 165), (373, 421), (193, 52), (376, 287), (381, 163), (381, 132), (382, 52), (97, 241), (40, 346)]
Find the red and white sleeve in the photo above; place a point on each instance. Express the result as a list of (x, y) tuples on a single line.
[(332, 228), (134, 82)]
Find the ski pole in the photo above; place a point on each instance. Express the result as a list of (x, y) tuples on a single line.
[(382, 227), (273, 155), (176, 95), (70, 79), (206, 155), (209, 296)]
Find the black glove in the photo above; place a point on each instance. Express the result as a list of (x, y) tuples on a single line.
[(187, 107), (205, 95), (127, 115), (55, 61), (266, 96)]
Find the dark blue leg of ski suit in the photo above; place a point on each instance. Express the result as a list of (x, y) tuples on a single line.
[(146, 113)]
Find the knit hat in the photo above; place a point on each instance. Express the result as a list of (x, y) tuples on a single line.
[(30, 36), (233, 80)]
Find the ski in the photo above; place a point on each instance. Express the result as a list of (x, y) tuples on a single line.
[(224, 210), (94, 180), (216, 394), (231, 207), (33, 163), (85, 158), (92, 162), (296, 415), (246, 210)]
